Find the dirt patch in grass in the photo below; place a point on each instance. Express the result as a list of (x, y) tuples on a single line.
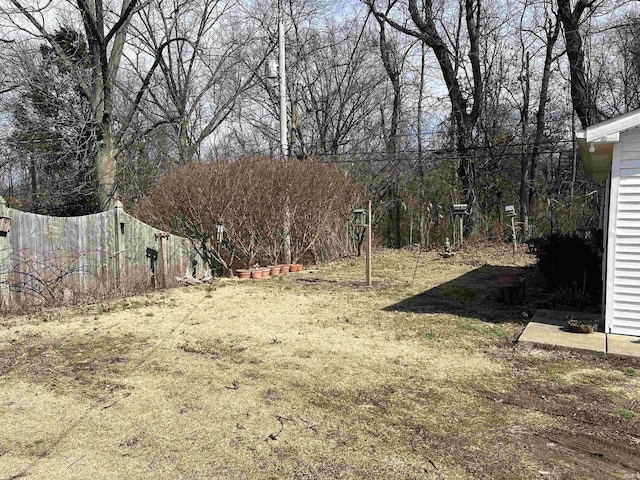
[(583, 394), (313, 375), (69, 364)]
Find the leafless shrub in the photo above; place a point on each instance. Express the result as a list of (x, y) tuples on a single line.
[(250, 198)]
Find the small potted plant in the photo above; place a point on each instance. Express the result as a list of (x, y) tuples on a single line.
[(274, 269), (580, 325), (243, 273), (256, 273)]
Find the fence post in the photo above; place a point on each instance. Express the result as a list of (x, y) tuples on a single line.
[(5, 268), (118, 241), (163, 260)]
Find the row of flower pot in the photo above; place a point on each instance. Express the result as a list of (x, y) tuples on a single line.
[(263, 272)]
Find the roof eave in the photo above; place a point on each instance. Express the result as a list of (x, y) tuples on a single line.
[(609, 130)]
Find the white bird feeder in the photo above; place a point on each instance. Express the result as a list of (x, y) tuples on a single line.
[(510, 210), (271, 69), (460, 209), (219, 231)]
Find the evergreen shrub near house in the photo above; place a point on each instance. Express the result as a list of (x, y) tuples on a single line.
[(572, 267)]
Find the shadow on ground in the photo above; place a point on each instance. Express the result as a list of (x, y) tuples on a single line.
[(475, 294)]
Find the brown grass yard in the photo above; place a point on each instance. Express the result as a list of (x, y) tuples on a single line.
[(312, 375)]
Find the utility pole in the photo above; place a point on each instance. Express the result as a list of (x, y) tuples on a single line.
[(284, 144)]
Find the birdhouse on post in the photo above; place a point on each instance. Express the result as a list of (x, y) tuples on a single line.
[(459, 210), (360, 217), (363, 220), (510, 210)]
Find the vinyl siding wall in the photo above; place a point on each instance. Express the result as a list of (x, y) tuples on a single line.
[(623, 289)]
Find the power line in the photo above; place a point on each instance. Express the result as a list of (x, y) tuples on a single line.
[(451, 157), (438, 151), (400, 156)]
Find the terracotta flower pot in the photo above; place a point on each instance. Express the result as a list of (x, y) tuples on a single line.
[(256, 273), (244, 273), (285, 268), (295, 267), (274, 270), (266, 271)]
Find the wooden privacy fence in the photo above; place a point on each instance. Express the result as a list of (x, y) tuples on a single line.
[(52, 258)]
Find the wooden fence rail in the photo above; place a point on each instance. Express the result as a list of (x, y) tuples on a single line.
[(44, 257)]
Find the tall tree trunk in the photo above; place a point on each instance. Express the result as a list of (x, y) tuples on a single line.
[(581, 96), (421, 170), (524, 159), (553, 30), (106, 173), (185, 149), (34, 184), (393, 67)]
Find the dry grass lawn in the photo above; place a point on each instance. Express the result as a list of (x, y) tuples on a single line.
[(312, 375)]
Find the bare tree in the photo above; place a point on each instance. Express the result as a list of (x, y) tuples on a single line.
[(106, 27), (393, 60), (422, 23), (333, 82), (581, 93), (334, 92), (216, 58), (547, 34)]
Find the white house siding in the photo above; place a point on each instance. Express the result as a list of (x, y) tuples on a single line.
[(624, 295)]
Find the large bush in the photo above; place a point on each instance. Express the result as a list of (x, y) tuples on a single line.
[(255, 199), (572, 266)]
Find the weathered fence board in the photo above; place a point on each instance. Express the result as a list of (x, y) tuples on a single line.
[(40, 255)]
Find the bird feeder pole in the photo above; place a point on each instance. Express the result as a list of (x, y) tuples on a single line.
[(368, 267), (459, 211), (511, 212), (363, 220)]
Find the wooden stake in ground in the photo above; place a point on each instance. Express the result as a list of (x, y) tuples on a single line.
[(415, 270), (368, 227)]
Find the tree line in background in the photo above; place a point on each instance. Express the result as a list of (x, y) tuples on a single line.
[(423, 103)]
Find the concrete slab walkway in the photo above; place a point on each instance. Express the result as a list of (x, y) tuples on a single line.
[(547, 327)]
